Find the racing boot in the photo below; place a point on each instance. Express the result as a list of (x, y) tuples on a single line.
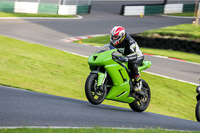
[(138, 86)]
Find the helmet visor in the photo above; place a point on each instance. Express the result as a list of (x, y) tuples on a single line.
[(115, 38)]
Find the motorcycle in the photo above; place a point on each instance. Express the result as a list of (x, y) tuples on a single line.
[(110, 79), (197, 110)]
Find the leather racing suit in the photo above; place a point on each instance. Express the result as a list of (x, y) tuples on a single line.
[(129, 48)]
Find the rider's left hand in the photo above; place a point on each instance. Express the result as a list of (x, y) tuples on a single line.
[(123, 59)]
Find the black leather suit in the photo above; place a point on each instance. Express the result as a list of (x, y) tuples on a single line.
[(130, 49)]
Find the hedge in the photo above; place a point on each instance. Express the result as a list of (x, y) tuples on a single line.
[(163, 43)]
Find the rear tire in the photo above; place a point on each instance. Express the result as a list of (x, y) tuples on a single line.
[(141, 105), (93, 93), (197, 111)]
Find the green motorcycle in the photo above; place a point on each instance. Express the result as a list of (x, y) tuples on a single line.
[(110, 79)]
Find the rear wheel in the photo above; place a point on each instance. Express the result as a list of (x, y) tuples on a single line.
[(142, 102), (94, 94), (197, 111)]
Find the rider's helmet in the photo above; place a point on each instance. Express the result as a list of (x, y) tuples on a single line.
[(117, 35)]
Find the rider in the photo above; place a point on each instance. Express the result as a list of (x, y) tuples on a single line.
[(128, 47)]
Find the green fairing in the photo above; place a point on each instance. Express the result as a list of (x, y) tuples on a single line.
[(118, 74), (101, 77), (102, 59), (146, 64)]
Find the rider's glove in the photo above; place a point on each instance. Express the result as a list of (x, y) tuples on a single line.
[(123, 59)]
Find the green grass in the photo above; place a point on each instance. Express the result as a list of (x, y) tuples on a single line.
[(171, 97), (96, 41), (4, 14), (100, 41), (184, 31), (90, 130), (47, 70), (41, 69), (184, 14), (174, 54)]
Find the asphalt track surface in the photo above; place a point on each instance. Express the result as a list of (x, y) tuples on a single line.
[(24, 108)]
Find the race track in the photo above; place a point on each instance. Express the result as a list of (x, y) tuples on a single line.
[(24, 108), (21, 108)]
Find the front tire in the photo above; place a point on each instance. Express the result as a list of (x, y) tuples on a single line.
[(93, 93), (197, 111), (143, 103)]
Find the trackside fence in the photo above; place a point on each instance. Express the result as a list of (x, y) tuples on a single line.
[(131, 10), (7, 6), (61, 7)]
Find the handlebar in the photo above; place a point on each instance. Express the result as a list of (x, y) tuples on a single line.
[(114, 57)]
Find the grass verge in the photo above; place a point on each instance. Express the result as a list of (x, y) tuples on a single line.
[(184, 14), (184, 31), (100, 41), (47, 70), (90, 130), (4, 14)]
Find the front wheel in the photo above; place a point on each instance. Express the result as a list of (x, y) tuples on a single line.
[(197, 111), (142, 102), (94, 94)]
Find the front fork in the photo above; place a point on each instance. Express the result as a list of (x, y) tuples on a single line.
[(101, 79)]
